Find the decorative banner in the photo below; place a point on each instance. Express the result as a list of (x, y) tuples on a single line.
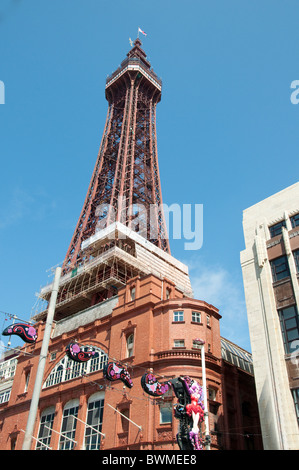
[(26, 332), (116, 371), (75, 353), (151, 386)]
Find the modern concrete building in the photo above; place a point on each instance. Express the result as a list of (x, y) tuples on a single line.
[(270, 266)]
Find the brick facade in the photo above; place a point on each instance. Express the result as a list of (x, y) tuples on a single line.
[(150, 318)]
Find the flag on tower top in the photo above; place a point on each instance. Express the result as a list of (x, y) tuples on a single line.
[(140, 30)]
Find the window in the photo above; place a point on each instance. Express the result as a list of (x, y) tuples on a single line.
[(45, 428), (178, 316), (195, 344), (27, 377), (8, 368), (295, 220), (5, 396), (165, 413), (124, 419), (130, 345), (95, 419), (276, 229), (196, 317), (280, 268), (289, 323), (295, 393), (68, 427), (208, 320), (67, 369), (133, 293), (168, 292), (179, 343), (53, 356), (296, 258)]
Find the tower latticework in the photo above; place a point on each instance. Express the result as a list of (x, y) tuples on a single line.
[(125, 185), (121, 232)]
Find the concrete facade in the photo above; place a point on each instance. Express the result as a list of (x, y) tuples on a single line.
[(271, 287)]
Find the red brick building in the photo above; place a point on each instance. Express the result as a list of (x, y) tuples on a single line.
[(146, 334), (124, 296)]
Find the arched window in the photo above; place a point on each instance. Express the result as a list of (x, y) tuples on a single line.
[(68, 425), (67, 369), (45, 428), (94, 418)]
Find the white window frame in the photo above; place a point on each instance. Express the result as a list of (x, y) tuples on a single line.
[(90, 433), (45, 428), (67, 369), (177, 345), (178, 315), (69, 421), (130, 345), (195, 316)]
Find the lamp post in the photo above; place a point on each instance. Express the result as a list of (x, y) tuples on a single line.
[(201, 344), (41, 364)]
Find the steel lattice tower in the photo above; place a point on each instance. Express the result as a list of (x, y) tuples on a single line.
[(125, 184)]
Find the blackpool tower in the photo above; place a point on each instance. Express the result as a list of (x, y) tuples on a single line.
[(121, 231), (125, 185)]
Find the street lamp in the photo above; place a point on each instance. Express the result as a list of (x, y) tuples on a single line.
[(201, 343)]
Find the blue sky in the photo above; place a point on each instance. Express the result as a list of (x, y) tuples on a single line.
[(228, 134)]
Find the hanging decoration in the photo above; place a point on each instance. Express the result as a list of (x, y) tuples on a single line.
[(116, 371), (26, 332), (190, 412), (75, 353), (152, 387), (194, 410)]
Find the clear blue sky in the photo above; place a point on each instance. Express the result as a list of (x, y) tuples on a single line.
[(228, 134)]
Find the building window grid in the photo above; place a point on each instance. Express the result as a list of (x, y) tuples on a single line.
[(94, 419), (179, 343), (280, 268), (5, 396), (178, 316), (289, 323), (276, 229), (68, 428), (45, 431), (8, 368), (67, 369), (295, 220), (295, 393), (196, 317), (296, 259)]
